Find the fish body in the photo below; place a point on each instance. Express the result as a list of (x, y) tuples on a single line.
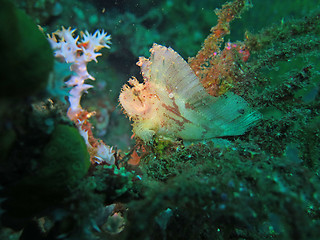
[(172, 103)]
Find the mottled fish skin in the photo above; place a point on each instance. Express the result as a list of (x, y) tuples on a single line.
[(172, 103)]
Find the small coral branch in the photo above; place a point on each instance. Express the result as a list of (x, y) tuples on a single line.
[(68, 48)]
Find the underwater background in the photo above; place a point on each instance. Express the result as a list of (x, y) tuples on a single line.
[(263, 184)]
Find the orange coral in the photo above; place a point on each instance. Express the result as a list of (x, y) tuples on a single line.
[(215, 68)]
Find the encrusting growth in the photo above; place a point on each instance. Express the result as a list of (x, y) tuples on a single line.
[(172, 103), (220, 70)]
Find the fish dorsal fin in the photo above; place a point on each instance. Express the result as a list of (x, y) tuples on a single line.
[(167, 68)]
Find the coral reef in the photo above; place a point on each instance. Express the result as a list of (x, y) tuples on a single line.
[(260, 184)]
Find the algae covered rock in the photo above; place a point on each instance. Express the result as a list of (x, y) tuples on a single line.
[(65, 157), (65, 160), (26, 55)]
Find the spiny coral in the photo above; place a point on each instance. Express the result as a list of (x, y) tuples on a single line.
[(67, 48), (172, 102)]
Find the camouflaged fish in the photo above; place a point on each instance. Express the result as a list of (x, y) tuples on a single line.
[(172, 103)]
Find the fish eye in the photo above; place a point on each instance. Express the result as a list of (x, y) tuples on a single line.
[(136, 93), (241, 111)]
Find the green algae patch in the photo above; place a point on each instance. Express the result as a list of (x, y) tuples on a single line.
[(65, 157), (65, 160)]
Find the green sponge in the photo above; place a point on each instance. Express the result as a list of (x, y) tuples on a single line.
[(26, 55), (65, 158)]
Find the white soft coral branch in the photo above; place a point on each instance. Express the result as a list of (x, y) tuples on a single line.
[(70, 49), (78, 53)]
